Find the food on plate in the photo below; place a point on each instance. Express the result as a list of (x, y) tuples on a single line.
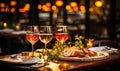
[(75, 52), (72, 51)]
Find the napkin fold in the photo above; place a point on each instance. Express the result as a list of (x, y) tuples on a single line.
[(104, 49)]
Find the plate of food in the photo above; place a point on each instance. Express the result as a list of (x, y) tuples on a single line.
[(75, 54)]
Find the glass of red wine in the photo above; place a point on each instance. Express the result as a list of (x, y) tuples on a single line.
[(32, 35), (61, 33)]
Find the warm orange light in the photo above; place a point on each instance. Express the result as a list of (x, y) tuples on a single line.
[(71, 10), (73, 4), (45, 8), (89, 42), (2, 4), (98, 3), (4, 24), (35, 28), (68, 7), (13, 3), (12, 10), (17, 27), (54, 7), (39, 6), (48, 4), (59, 3), (75, 8), (27, 7), (22, 10), (6, 9), (82, 8), (2, 10), (91, 9)]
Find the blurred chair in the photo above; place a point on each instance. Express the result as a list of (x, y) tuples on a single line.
[(109, 43)]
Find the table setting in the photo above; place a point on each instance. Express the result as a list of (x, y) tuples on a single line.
[(62, 49)]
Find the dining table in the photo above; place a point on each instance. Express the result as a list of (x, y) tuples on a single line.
[(111, 63)]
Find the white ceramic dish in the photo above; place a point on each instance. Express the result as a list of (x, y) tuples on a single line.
[(31, 60), (100, 56)]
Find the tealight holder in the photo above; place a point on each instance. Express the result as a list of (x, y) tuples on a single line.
[(89, 42)]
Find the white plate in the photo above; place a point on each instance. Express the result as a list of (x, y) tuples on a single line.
[(100, 56), (31, 60)]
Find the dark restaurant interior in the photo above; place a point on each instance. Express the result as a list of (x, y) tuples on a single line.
[(94, 19)]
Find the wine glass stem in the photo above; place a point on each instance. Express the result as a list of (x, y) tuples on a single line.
[(45, 46), (45, 54), (32, 50)]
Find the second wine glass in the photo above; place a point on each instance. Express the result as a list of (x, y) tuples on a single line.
[(45, 37)]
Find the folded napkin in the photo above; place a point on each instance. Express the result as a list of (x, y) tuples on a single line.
[(104, 49)]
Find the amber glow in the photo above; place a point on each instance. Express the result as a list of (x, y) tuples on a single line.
[(82, 8), (98, 3), (75, 8), (2, 10), (2, 4), (22, 10), (27, 7), (59, 3), (71, 10), (4, 24), (64, 66), (39, 6), (91, 9), (68, 7), (12, 10), (6, 9), (89, 42), (35, 28), (48, 4), (54, 7), (13, 3), (17, 27), (45, 8), (73, 4)]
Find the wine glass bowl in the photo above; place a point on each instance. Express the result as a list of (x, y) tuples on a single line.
[(45, 34), (61, 33), (32, 35)]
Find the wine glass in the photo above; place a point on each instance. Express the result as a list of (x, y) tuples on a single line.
[(61, 33), (32, 35), (45, 37)]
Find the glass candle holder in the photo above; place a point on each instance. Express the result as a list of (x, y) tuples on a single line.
[(89, 42)]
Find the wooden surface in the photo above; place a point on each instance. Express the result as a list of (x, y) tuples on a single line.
[(113, 59)]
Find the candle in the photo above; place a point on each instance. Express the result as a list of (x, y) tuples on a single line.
[(17, 27), (89, 42)]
